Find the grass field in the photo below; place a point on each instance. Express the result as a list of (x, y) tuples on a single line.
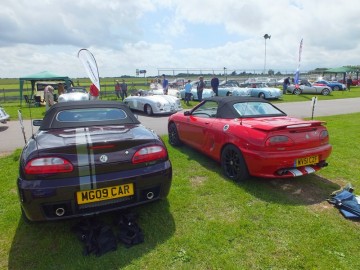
[(209, 222)]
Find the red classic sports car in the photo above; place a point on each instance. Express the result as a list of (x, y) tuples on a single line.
[(251, 137), (90, 157)]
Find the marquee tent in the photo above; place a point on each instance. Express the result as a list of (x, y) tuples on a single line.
[(41, 76), (342, 70)]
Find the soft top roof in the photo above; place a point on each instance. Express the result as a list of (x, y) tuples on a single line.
[(50, 121), (226, 105)]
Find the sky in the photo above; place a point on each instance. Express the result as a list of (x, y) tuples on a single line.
[(172, 36)]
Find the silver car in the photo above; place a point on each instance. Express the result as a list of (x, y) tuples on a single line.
[(305, 87), (74, 94), (153, 104), (3, 115)]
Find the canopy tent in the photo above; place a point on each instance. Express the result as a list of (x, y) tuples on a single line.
[(342, 70), (41, 76)]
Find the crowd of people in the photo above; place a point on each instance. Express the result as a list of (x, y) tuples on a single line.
[(121, 89)]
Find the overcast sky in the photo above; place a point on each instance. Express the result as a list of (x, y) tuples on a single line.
[(153, 35)]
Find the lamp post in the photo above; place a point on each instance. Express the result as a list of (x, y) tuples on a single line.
[(266, 36), (225, 74)]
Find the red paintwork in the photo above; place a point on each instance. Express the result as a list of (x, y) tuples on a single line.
[(209, 136)]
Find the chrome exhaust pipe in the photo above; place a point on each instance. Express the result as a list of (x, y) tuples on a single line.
[(150, 195), (60, 212)]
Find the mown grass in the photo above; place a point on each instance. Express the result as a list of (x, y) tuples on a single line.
[(209, 222)]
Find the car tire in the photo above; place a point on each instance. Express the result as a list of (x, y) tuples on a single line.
[(174, 139), (24, 217), (336, 88), (325, 92), (297, 91), (261, 95), (148, 110), (233, 164)]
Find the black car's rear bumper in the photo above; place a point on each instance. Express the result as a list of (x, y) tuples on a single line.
[(56, 199)]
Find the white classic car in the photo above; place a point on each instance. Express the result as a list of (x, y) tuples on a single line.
[(3, 115), (74, 94), (156, 89), (151, 104)]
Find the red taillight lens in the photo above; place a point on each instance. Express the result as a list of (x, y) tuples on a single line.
[(48, 165), (279, 140), (324, 136), (149, 153)]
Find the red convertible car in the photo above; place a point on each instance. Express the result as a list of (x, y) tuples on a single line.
[(252, 137)]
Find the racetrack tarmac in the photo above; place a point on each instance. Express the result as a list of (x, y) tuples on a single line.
[(11, 136)]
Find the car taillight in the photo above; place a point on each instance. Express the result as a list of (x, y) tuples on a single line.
[(279, 140), (324, 136), (48, 165), (149, 153)]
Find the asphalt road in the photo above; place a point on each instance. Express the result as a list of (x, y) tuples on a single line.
[(11, 136)]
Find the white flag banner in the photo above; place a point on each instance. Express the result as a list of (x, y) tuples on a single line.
[(90, 65)]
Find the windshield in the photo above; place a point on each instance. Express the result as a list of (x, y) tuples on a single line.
[(256, 109)]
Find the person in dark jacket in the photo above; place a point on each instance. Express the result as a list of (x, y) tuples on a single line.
[(348, 83), (200, 88), (215, 85), (286, 84)]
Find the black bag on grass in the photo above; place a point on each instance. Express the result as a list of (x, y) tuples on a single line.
[(98, 238), (129, 231)]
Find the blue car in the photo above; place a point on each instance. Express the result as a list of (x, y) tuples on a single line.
[(333, 85)]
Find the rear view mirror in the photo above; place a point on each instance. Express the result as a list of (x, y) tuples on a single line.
[(37, 123)]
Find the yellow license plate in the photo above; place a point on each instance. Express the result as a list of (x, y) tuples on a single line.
[(307, 161), (102, 194)]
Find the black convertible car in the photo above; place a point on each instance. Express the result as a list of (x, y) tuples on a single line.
[(90, 157)]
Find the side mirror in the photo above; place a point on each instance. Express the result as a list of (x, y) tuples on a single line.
[(37, 123), (186, 113)]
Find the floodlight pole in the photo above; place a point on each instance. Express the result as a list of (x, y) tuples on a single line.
[(266, 36)]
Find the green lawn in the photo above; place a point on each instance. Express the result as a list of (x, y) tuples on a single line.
[(209, 222)]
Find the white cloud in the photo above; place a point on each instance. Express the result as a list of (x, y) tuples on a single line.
[(156, 34)]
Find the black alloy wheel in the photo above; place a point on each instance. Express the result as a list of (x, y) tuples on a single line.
[(233, 164), (174, 139)]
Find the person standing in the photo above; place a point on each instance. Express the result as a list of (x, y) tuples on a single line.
[(94, 92), (200, 88), (188, 88), (117, 89), (124, 88), (165, 85), (286, 83), (215, 85), (348, 83), (49, 96)]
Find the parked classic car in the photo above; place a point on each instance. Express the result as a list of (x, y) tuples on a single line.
[(90, 157), (160, 91), (206, 93), (266, 92), (76, 93), (251, 137), (333, 85), (3, 116), (151, 104), (306, 87)]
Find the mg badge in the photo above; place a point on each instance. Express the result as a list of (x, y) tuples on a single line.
[(307, 136), (103, 158)]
